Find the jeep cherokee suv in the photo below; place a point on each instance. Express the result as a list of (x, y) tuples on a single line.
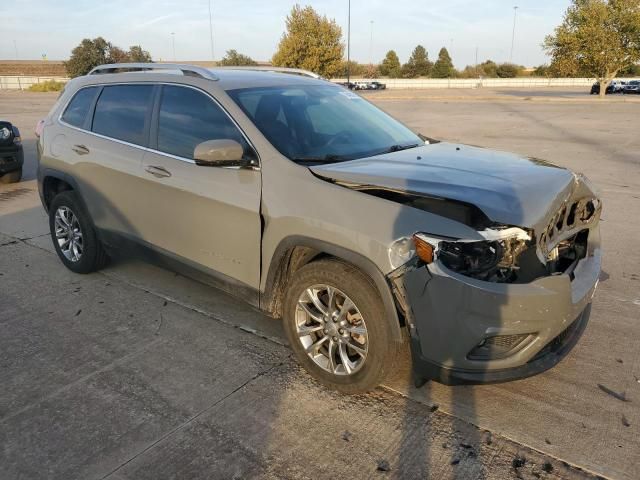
[(310, 203)]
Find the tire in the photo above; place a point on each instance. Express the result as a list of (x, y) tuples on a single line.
[(12, 177), (92, 256), (347, 282)]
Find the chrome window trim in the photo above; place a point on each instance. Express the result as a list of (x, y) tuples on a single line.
[(151, 150)]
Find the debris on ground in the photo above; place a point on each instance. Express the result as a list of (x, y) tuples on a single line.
[(434, 407), (625, 422), (518, 462), (465, 445), (619, 360), (488, 439), (164, 304), (78, 313), (455, 461), (547, 441), (620, 396), (346, 436), (547, 467), (383, 466)]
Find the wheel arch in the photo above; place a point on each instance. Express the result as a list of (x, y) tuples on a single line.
[(296, 251), (51, 182)]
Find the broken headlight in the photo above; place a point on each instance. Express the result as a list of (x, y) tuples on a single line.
[(494, 259)]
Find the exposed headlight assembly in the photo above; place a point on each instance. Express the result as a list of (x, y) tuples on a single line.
[(493, 259)]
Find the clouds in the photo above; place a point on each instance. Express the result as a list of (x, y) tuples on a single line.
[(254, 27)]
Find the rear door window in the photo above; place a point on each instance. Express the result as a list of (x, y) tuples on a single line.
[(79, 106), (188, 117), (122, 112)]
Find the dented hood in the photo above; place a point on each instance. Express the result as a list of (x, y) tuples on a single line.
[(508, 188)]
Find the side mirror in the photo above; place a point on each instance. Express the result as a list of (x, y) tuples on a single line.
[(221, 153)]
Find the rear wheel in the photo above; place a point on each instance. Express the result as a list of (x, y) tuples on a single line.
[(335, 323), (74, 236), (12, 177)]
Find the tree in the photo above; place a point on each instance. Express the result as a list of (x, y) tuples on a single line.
[(312, 42), (138, 55), (507, 70), (418, 64), (488, 68), (87, 55), (443, 68), (597, 38), (234, 59), (91, 53), (390, 66), (541, 71), (352, 67)]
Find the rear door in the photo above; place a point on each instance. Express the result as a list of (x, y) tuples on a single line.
[(105, 147), (206, 216)]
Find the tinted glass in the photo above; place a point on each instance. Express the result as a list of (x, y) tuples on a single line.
[(79, 106), (188, 117), (319, 123), (121, 112)]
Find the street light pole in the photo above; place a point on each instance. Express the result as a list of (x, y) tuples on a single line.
[(173, 43), (213, 56), (513, 33), (15, 47), (349, 44)]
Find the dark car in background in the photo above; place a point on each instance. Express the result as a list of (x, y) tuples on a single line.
[(632, 87), (11, 153), (595, 89)]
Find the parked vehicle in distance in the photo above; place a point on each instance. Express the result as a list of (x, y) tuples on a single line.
[(632, 87), (369, 86), (349, 85), (312, 204), (11, 153), (595, 89), (618, 85)]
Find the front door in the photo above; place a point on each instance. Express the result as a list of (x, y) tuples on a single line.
[(206, 216)]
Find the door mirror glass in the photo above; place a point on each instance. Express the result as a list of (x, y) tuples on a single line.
[(221, 153)]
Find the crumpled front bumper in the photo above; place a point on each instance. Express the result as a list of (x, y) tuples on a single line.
[(448, 315)]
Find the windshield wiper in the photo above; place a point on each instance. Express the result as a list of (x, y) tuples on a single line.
[(330, 158), (397, 148)]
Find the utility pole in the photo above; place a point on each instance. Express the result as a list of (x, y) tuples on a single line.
[(371, 44), (173, 43), (513, 33), (15, 47), (349, 44), (476, 60), (213, 56)]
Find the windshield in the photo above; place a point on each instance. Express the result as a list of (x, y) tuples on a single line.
[(322, 124)]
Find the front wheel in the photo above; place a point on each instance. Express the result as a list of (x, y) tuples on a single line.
[(335, 323)]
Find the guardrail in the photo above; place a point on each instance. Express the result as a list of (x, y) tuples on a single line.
[(19, 82)]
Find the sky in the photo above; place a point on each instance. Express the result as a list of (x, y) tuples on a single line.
[(32, 28)]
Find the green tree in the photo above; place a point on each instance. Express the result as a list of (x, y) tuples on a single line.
[(234, 59), (443, 68), (354, 69), (507, 70), (418, 64), (541, 71), (390, 66), (597, 38), (312, 42), (488, 68), (138, 55), (87, 55), (91, 53)]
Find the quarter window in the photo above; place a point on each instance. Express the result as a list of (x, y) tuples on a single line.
[(121, 112), (79, 106), (188, 117)]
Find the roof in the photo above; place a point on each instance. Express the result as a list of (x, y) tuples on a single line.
[(231, 79)]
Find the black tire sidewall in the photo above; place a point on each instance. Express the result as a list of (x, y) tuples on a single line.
[(11, 177), (88, 260), (359, 287)]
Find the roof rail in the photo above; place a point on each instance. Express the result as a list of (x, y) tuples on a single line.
[(187, 70), (294, 71)]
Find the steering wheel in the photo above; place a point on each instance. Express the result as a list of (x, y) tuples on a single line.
[(341, 135)]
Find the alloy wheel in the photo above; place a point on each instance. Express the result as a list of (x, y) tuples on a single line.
[(331, 329), (68, 234)]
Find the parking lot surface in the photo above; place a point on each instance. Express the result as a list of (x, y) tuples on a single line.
[(138, 373)]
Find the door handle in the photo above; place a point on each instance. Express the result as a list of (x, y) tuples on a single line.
[(158, 172), (80, 149)]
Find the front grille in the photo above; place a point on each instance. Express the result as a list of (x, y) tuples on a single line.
[(499, 346)]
